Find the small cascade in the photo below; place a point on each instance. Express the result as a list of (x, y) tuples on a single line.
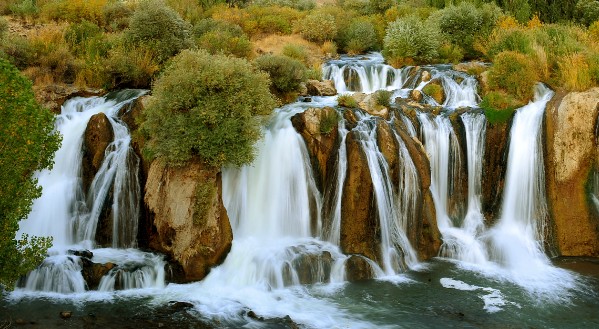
[(396, 249), (459, 94), (333, 233), (518, 238), (70, 215), (475, 128)]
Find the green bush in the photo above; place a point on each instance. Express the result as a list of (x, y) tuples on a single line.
[(28, 144), (328, 121), (297, 52), (296, 4), (359, 37), (78, 34), (463, 23), (117, 14), (25, 9), (383, 97), (587, 11), (347, 100), (409, 39), (435, 91), (18, 51), (450, 53), (514, 73), (132, 67), (223, 42), (499, 106), (208, 106), (3, 27), (318, 27), (157, 26), (285, 73), (517, 40), (208, 25)]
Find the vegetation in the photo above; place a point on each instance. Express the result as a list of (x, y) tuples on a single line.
[(410, 40), (27, 144), (435, 91), (285, 73), (328, 121), (347, 100), (383, 98), (208, 106)]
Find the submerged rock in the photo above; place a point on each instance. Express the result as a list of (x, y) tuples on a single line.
[(190, 222)]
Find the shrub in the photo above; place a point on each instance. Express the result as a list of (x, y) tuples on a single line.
[(450, 53), (515, 74), (208, 24), (314, 72), (520, 9), (463, 23), (25, 9), (328, 121), (117, 15), (383, 97), (296, 4), (3, 27), (190, 10), (256, 20), (75, 11), (409, 39), (297, 52), (224, 42), (160, 28), (359, 37), (131, 66), (435, 91), (208, 106), (285, 73), (499, 106), (18, 51), (347, 100), (77, 35), (329, 48), (407, 9), (587, 11), (574, 72), (318, 27), (517, 40)]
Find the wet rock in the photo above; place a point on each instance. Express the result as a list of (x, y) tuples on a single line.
[(190, 222), (81, 253), (358, 269), (321, 88), (179, 306), (351, 120), (66, 314), (20, 321), (370, 106), (494, 169), (93, 272), (572, 153), (319, 129), (303, 89), (53, 96), (426, 76), (98, 135), (390, 149), (416, 95)]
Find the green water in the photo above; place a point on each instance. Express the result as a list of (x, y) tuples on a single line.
[(418, 300)]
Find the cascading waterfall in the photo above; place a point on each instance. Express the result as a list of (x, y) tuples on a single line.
[(333, 233), (70, 215), (518, 238)]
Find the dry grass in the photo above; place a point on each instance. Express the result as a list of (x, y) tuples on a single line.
[(275, 44), (574, 72)]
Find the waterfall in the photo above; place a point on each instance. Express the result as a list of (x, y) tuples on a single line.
[(70, 215), (334, 232), (518, 238), (475, 128)]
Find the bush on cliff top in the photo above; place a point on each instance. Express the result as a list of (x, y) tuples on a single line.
[(208, 106)]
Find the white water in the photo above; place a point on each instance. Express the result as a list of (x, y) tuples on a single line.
[(333, 235), (70, 215)]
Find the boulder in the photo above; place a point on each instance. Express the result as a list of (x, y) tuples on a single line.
[(93, 272), (190, 222), (98, 135), (319, 127), (358, 269), (416, 95), (370, 106), (53, 96), (494, 169), (359, 226), (426, 76), (570, 161), (321, 88), (389, 147)]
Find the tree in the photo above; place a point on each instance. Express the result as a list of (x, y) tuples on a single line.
[(208, 106), (27, 144)]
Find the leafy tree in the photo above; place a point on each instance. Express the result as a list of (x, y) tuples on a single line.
[(208, 106), (27, 144)]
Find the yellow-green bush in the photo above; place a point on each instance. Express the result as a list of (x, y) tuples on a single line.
[(297, 52), (318, 27), (132, 67), (207, 106), (574, 72), (224, 42), (255, 20), (515, 74), (499, 106), (347, 100), (285, 73), (410, 40), (359, 37), (75, 11)]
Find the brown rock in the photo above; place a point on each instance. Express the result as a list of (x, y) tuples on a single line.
[(98, 135), (571, 153), (321, 88), (389, 147), (359, 227), (416, 95), (93, 272), (369, 105), (426, 76), (472, 68), (358, 269), (494, 168), (53, 96), (190, 222)]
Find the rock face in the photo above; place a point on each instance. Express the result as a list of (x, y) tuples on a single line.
[(98, 135), (53, 96), (571, 156), (494, 168), (319, 127), (321, 88), (93, 272), (190, 222)]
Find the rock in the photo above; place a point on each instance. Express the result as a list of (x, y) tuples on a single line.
[(20, 321), (472, 68), (321, 88), (358, 269), (93, 272), (351, 120), (426, 76), (53, 96), (416, 95), (66, 314), (190, 222), (494, 168), (435, 90), (303, 89), (320, 132), (370, 106), (98, 135), (179, 306), (390, 149), (81, 253), (359, 227), (571, 156)]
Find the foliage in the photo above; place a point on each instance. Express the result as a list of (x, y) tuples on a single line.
[(359, 37), (295, 4), (499, 106), (159, 27), (75, 11), (520, 9), (208, 106), (435, 91), (594, 31), (347, 100), (117, 15), (574, 72), (204, 196), (132, 67), (28, 143), (514, 73), (318, 27), (3, 27), (297, 52), (328, 121), (77, 35), (329, 48), (190, 10), (450, 53), (224, 42), (256, 20), (587, 11), (462, 24), (285, 73), (410, 40), (25, 9), (383, 97)]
